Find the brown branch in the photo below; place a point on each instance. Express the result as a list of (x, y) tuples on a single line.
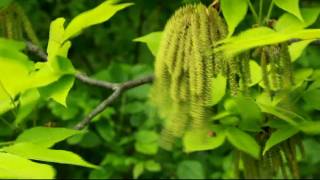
[(94, 82), (118, 88)]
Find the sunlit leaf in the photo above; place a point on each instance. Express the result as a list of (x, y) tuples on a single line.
[(291, 6), (34, 152), (233, 12), (199, 140), (279, 136), (262, 36), (16, 167), (97, 15), (290, 23), (255, 73), (296, 49), (152, 40), (243, 141), (59, 90), (28, 101), (45, 136), (219, 85)]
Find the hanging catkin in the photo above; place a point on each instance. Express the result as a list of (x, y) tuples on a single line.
[(184, 68)]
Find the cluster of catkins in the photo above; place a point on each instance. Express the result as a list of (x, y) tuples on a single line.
[(14, 24), (186, 64)]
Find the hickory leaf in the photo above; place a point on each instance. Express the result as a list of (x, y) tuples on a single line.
[(34, 152), (296, 49), (199, 140), (219, 85), (152, 40), (243, 141), (97, 15), (46, 137), (291, 6), (16, 167), (279, 136), (234, 12)]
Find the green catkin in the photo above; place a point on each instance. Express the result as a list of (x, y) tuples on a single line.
[(275, 71), (291, 159), (264, 63), (282, 166), (9, 25), (233, 67), (285, 61), (245, 72)]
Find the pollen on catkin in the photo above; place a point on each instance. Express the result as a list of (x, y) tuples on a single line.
[(184, 68)]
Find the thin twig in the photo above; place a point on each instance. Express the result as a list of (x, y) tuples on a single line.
[(94, 82), (118, 88)]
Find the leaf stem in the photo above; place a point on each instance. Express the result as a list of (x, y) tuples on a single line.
[(260, 11), (270, 11), (254, 13)]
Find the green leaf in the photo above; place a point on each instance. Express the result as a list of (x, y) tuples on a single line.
[(262, 36), (243, 141), (152, 166), (189, 169), (146, 142), (138, 170), (46, 137), (28, 101), (152, 40), (296, 49), (97, 15), (291, 6), (285, 115), (279, 136), (199, 140), (312, 98), (310, 127), (290, 23), (55, 38), (15, 68), (39, 153), (248, 110), (10, 44), (59, 90), (302, 75), (15, 167), (219, 85), (255, 73), (233, 12)]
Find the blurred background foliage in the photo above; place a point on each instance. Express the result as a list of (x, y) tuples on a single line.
[(123, 139)]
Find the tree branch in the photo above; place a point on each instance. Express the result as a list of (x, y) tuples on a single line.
[(118, 88)]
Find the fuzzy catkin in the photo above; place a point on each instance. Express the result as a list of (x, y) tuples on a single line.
[(184, 68)]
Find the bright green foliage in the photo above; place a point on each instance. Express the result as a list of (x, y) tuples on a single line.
[(291, 6), (35, 152), (234, 12), (243, 142), (279, 136), (262, 36), (46, 137), (13, 166), (100, 14), (152, 40), (194, 141)]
